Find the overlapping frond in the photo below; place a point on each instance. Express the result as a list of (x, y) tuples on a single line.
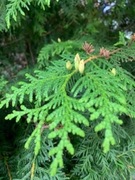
[(62, 98), (56, 48), (92, 162), (17, 6)]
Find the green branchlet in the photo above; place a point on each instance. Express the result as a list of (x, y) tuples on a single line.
[(65, 100)]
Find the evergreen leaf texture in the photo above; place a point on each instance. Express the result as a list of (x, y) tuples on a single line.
[(67, 95), (56, 49), (23, 165), (92, 163), (15, 7)]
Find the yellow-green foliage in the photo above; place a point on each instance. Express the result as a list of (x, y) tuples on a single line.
[(61, 98), (75, 86)]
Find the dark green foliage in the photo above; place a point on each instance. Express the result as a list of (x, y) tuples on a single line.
[(19, 165), (92, 163), (2, 15), (36, 168), (14, 7)]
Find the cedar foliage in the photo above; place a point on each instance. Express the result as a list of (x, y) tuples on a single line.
[(77, 107)]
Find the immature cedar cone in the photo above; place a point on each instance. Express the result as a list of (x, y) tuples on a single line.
[(113, 71), (104, 52), (59, 40), (81, 66), (88, 48), (68, 65), (77, 61)]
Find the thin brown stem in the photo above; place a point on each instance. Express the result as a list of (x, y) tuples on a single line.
[(91, 58), (115, 51), (97, 56), (9, 173), (12, 42), (31, 53)]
